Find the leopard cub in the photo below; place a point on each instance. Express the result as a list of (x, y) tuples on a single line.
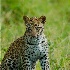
[(26, 50)]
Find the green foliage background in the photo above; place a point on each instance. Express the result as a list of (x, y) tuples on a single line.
[(57, 27)]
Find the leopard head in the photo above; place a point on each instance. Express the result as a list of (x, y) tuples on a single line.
[(34, 26)]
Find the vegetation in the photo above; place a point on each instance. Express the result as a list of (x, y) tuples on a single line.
[(57, 27)]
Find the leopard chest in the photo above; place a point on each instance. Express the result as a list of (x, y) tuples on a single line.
[(35, 52), (35, 47)]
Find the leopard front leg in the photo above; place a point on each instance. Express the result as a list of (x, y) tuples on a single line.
[(26, 65), (44, 63), (33, 65)]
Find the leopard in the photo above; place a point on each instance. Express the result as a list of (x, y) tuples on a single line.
[(25, 51)]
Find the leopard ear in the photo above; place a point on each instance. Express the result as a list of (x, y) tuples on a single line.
[(26, 19), (42, 19)]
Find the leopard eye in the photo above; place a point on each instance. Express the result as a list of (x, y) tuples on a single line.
[(35, 25)]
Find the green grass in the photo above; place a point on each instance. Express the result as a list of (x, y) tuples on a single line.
[(57, 27)]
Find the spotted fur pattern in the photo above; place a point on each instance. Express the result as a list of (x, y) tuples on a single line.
[(26, 50)]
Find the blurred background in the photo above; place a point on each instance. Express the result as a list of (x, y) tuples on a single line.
[(57, 27)]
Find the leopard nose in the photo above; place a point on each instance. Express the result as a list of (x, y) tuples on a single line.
[(34, 35)]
